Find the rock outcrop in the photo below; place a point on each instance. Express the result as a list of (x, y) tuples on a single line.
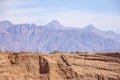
[(60, 66)]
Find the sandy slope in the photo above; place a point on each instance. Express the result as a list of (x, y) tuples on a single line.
[(59, 66)]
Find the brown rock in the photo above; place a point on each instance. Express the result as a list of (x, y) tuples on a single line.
[(65, 66)]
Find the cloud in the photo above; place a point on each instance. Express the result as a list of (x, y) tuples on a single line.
[(104, 21), (69, 17), (14, 3)]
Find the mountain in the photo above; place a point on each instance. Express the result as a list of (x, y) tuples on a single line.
[(55, 36), (55, 25)]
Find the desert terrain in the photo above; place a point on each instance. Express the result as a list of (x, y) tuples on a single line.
[(59, 66)]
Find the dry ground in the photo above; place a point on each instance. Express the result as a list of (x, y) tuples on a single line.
[(59, 66)]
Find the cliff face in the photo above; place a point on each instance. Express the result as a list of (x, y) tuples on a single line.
[(60, 66)]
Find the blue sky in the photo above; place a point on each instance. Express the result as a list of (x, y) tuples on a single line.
[(104, 14)]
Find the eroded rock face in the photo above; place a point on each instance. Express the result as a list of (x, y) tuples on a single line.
[(27, 66)]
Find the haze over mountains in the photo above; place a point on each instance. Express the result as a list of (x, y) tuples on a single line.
[(55, 36)]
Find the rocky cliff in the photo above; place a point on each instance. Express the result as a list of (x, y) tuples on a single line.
[(59, 66)]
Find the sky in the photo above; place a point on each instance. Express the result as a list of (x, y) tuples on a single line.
[(103, 14)]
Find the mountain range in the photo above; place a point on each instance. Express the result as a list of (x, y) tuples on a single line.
[(55, 36)]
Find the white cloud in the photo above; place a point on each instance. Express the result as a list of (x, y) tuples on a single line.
[(14, 3), (74, 18)]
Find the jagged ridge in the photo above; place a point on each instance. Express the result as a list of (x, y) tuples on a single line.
[(55, 36)]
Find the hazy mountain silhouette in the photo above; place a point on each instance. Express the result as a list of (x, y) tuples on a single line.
[(55, 36)]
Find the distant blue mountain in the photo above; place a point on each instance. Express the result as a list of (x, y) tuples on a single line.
[(55, 36)]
